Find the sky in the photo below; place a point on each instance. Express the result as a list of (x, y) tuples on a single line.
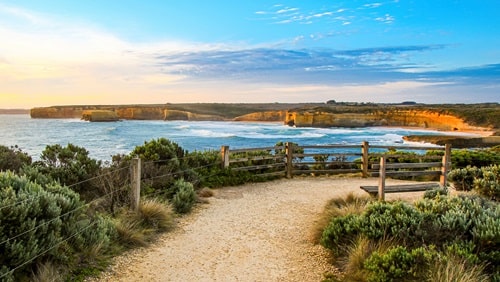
[(94, 52)]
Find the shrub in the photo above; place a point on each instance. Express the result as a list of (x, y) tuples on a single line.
[(338, 207), (399, 263), (478, 158), (13, 158), (42, 223), (71, 166), (489, 184), (431, 194), (341, 231), (398, 220), (463, 178), (185, 196), (465, 226)]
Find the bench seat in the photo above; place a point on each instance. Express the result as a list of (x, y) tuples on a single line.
[(373, 190)]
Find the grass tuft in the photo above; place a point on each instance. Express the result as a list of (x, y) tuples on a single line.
[(337, 207), (455, 269), (47, 272), (155, 214)]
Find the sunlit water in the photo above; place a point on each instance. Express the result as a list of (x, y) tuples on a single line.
[(106, 139)]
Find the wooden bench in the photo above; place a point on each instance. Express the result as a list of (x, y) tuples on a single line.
[(400, 188), (428, 169)]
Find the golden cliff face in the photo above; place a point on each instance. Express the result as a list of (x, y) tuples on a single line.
[(92, 113), (407, 118), (263, 116)]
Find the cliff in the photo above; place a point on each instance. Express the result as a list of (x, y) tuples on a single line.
[(99, 115), (406, 118), (451, 117), (263, 116)]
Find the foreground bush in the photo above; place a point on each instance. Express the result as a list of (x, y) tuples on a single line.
[(433, 230), (44, 223)]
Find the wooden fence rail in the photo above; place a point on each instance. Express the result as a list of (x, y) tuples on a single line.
[(293, 159)]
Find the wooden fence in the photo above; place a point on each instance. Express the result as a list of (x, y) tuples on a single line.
[(292, 159)]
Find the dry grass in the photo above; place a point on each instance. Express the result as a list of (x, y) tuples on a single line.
[(137, 228), (361, 249), (129, 232), (455, 269), (337, 207), (205, 193), (156, 214), (46, 272)]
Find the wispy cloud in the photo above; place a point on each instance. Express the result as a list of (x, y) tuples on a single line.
[(334, 14)]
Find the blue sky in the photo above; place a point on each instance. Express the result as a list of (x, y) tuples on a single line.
[(123, 52)]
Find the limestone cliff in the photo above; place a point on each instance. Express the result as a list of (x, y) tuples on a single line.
[(99, 115), (263, 116), (184, 115), (407, 118)]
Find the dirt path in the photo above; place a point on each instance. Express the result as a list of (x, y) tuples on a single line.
[(255, 232)]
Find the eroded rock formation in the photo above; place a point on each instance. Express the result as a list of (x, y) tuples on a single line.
[(406, 118)]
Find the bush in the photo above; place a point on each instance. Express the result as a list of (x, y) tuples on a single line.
[(43, 223), (485, 180), (478, 158), (398, 264), (489, 184), (185, 196), (466, 227), (13, 158), (463, 178), (71, 166)]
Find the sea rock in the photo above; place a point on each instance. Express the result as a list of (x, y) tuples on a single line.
[(99, 115)]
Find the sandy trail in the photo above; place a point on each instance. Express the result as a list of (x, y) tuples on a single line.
[(254, 232)]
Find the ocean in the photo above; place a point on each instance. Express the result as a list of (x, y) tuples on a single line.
[(106, 139)]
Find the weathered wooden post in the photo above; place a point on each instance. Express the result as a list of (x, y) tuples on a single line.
[(224, 150), (364, 158), (381, 180), (289, 158), (445, 167), (135, 192)]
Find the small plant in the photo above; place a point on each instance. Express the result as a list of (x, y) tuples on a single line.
[(463, 178), (185, 197)]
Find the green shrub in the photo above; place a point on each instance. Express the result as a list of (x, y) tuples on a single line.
[(43, 223), (185, 196), (477, 157), (398, 264), (463, 178), (431, 194), (13, 158), (71, 166), (398, 220), (489, 184), (465, 226)]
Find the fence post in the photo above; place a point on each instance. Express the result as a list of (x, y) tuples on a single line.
[(224, 150), (364, 158), (381, 179), (289, 158), (445, 167), (135, 193)]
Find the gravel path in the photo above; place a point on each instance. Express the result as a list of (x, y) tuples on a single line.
[(254, 232)]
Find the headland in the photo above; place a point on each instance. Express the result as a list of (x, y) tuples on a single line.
[(480, 119)]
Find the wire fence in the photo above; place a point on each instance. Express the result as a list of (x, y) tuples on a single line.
[(124, 188)]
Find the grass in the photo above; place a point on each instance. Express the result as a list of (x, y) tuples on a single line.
[(336, 207), (455, 269), (137, 228)]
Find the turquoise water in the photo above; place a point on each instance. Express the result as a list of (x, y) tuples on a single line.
[(104, 140)]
